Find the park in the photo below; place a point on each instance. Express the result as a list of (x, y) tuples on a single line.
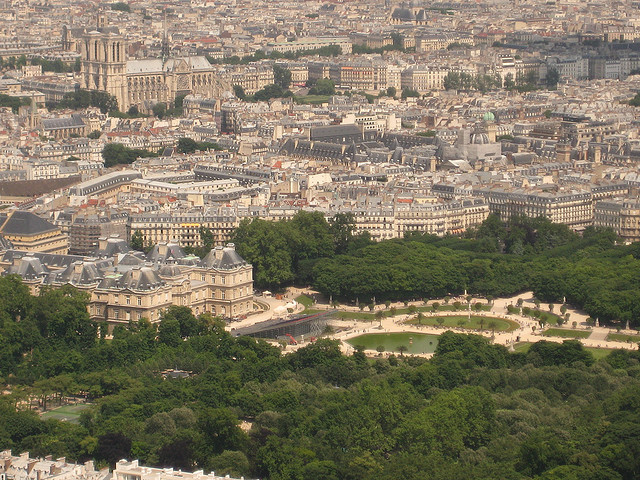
[(515, 322)]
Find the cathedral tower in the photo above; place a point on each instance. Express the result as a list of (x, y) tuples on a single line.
[(104, 65)]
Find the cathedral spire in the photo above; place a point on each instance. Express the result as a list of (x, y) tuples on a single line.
[(165, 38)]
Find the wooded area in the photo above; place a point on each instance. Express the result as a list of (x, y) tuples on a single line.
[(475, 411), (498, 259)]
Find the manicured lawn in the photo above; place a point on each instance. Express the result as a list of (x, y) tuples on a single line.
[(522, 347), (623, 337), (550, 318), (413, 342), (599, 353), (311, 99), (464, 307), (463, 321), (66, 413), (304, 300), (355, 316), (565, 333)]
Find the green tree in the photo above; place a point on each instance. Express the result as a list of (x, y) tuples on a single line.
[(342, 226), (169, 331), (281, 76), (238, 91), (137, 241), (159, 109), (552, 78), (509, 83), (121, 6), (117, 154), (187, 145), (206, 236), (407, 92), (323, 86)]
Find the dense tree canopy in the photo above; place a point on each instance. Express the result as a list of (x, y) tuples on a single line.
[(497, 259), (188, 145), (282, 252), (87, 98), (117, 154), (473, 411)]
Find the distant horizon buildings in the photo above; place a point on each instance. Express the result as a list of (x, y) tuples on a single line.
[(25, 467)]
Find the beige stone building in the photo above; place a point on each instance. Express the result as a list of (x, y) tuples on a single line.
[(572, 208), (125, 286), (182, 228), (251, 78), (26, 231), (423, 79), (142, 83), (126, 470), (621, 215), (436, 218)]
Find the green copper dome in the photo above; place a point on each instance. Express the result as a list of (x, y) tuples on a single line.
[(488, 117)]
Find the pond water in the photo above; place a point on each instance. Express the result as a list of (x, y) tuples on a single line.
[(415, 342)]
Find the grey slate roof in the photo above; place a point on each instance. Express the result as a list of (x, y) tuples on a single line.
[(223, 258), (73, 121), (25, 223), (140, 279), (80, 273), (113, 247), (169, 271), (29, 268), (166, 253)]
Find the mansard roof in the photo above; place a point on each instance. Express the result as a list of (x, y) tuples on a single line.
[(80, 273), (29, 268), (166, 253), (223, 258), (137, 279), (24, 223)]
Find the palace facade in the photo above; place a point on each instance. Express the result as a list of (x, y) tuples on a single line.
[(126, 285)]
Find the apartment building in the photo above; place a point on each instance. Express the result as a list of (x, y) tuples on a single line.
[(393, 221), (441, 218), (424, 78), (182, 228), (106, 185), (41, 169), (310, 43), (370, 76), (573, 208), (432, 42), (251, 77), (23, 467), (86, 230), (29, 232), (621, 215), (126, 470)]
